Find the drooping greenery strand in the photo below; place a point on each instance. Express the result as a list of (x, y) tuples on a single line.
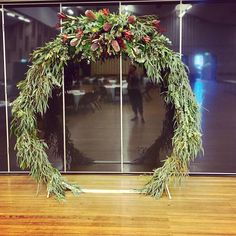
[(44, 74), (187, 137), (99, 35)]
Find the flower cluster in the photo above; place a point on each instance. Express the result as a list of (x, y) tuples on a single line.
[(102, 34)]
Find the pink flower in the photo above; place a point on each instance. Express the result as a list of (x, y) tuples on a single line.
[(107, 26), (90, 14), (79, 33), (74, 42), (115, 45), (94, 47), (128, 35), (131, 19), (61, 16), (146, 39)]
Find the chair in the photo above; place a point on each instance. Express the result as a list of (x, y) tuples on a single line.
[(117, 94), (103, 93), (85, 101), (90, 100), (69, 100)]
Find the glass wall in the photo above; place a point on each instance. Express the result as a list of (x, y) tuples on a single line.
[(146, 122), (27, 28), (93, 109), (93, 128), (3, 136), (209, 48)]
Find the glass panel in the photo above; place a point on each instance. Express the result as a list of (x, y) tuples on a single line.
[(93, 109), (27, 28), (3, 138), (209, 48), (145, 140)]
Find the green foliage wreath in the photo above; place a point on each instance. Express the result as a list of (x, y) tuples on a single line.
[(100, 35)]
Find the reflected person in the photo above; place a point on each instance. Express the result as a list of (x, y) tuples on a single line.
[(134, 92)]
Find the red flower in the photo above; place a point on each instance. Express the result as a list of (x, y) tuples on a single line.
[(105, 11), (64, 37), (115, 45), (90, 14), (61, 16), (146, 39), (156, 24), (107, 26), (121, 43), (128, 35), (79, 33), (131, 19)]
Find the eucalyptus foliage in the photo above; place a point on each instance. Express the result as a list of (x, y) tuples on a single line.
[(94, 36)]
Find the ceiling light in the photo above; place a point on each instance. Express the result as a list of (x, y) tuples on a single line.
[(23, 19), (181, 9), (70, 11), (11, 14), (27, 20)]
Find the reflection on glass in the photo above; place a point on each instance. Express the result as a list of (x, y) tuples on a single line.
[(209, 50), (27, 28), (3, 138), (92, 93), (147, 121)]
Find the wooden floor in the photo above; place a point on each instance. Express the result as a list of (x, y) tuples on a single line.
[(203, 206)]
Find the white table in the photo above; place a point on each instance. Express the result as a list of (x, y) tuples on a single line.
[(111, 89), (77, 94), (4, 104)]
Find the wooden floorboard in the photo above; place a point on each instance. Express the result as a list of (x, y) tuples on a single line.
[(202, 206)]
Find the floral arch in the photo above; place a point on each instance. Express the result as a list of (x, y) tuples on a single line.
[(93, 36)]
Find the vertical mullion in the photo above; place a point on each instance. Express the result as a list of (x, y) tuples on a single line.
[(63, 113), (5, 87), (121, 112), (180, 30)]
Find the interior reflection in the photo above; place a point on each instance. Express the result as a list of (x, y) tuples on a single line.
[(147, 138), (93, 90), (93, 114), (92, 103), (27, 28), (208, 51), (3, 136)]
